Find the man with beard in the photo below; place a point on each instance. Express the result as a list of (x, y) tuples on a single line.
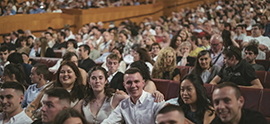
[(251, 53), (11, 99)]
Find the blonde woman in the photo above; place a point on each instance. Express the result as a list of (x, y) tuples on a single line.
[(165, 67), (150, 39)]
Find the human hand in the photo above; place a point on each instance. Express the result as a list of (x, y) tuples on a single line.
[(158, 96)]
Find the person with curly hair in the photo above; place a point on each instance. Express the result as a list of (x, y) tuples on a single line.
[(165, 67)]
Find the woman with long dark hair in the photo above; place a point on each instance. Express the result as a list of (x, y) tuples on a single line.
[(99, 100), (193, 100), (204, 68)]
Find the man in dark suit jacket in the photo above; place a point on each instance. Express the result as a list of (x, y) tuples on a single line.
[(116, 78), (85, 62)]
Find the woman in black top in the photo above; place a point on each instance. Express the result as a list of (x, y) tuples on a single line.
[(45, 50)]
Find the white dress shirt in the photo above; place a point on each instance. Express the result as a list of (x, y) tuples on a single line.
[(262, 40), (143, 112), (20, 118)]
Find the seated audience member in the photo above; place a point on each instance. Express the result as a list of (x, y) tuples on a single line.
[(7, 42), (36, 9), (22, 45), (150, 39), (149, 86), (70, 56), (103, 57), (122, 65), (228, 39), (30, 41), (159, 31), (256, 33), (183, 34), (53, 101), (42, 49), (69, 34), (39, 75), (143, 55), (254, 42), (14, 72), (236, 70), (194, 46), (194, 102), (185, 59), (146, 107), (71, 46), (148, 30), (228, 103), (11, 99), (238, 33), (125, 43), (69, 116), (85, 62), (155, 48), (28, 60), (94, 54), (206, 43), (204, 68), (251, 53), (171, 114), (266, 24), (166, 40), (68, 77), (61, 43), (104, 46), (4, 53), (216, 50), (165, 67), (100, 100), (175, 44), (116, 78)]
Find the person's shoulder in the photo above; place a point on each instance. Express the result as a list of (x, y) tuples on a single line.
[(250, 116)]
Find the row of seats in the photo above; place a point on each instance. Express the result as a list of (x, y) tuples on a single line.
[(255, 99), (263, 76)]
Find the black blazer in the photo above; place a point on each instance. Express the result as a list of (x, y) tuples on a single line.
[(117, 81)]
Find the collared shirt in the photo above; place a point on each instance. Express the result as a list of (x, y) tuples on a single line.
[(220, 59), (111, 77), (20, 118), (13, 41), (143, 112), (30, 94), (262, 40)]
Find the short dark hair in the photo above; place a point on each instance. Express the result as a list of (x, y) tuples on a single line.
[(20, 31), (194, 38), (114, 57), (73, 42), (252, 48), (4, 48), (169, 108), (86, 47), (63, 34), (133, 70), (230, 84), (13, 85), (124, 32), (30, 37), (232, 51), (155, 44), (15, 33), (161, 28), (42, 69), (50, 28), (259, 26), (15, 58), (59, 92), (68, 55), (239, 26), (143, 68), (49, 33), (64, 114)]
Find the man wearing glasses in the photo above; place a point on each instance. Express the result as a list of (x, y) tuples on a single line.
[(216, 50), (236, 70), (256, 33)]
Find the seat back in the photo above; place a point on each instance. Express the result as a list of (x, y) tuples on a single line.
[(173, 90), (264, 63), (184, 70), (162, 86), (261, 75), (266, 83), (252, 98), (264, 104)]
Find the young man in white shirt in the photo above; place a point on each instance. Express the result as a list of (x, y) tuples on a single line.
[(140, 107), (11, 99), (39, 74)]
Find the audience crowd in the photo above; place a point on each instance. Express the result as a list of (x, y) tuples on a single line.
[(106, 75)]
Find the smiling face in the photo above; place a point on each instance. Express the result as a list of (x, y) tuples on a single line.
[(204, 61), (170, 58), (67, 76), (134, 84), (188, 92), (136, 56), (178, 41), (10, 100), (97, 80), (229, 62), (227, 106), (155, 50), (50, 107)]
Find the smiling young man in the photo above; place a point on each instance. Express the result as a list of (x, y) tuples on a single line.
[(53, 101), (228, 103), (236, 70), (140, 107), (11, 97)]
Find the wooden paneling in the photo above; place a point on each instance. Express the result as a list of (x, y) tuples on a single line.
[(38, 23)]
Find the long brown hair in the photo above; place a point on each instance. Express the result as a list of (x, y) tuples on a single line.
[(43, 44)]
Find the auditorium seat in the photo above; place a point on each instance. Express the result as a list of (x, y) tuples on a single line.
[(252, 97), (264, 104), (184, 70), (46, 61), (162, 86), (264, 63), (267, 55), (173, 91), (58, 53), (266, 83), (261, 75), (209, 90)]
